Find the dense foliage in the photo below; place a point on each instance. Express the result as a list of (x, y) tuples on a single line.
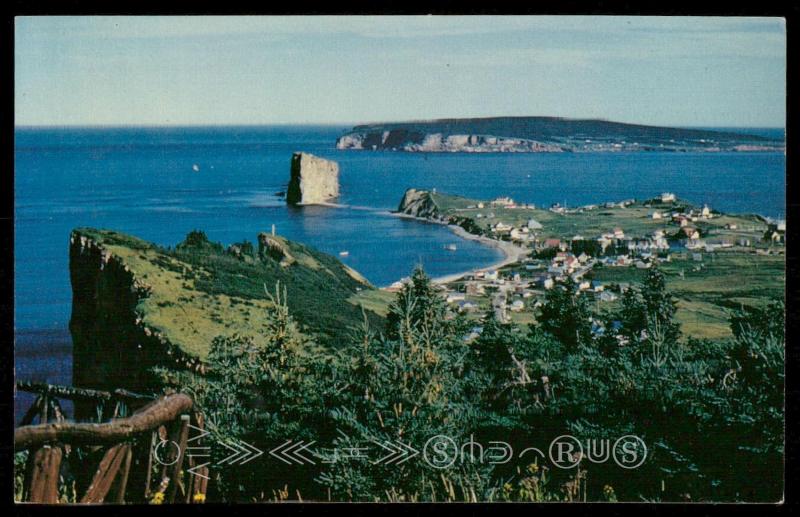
[(710, 413)]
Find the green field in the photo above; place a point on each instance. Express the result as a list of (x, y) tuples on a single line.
[(635, 219)]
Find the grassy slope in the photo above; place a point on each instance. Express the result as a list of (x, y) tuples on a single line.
[(727, 280), (200, 293), (636, 219), (374, 300)]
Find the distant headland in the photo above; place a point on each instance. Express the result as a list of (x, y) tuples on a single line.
[(545, 134)]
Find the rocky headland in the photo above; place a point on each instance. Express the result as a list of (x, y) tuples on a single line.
[(545, 134), (423, 205), (137, 306)]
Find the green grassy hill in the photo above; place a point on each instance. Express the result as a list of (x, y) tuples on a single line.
[(199, 290)]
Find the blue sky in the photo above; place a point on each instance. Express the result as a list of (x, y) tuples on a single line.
[(344, 70)]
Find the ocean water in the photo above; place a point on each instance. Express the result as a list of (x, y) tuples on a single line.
[(141, 181)]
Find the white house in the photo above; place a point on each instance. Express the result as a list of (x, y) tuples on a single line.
[(502, 227), (533, 224), (504, 201)]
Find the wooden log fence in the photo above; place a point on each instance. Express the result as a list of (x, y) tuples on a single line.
[(50, 443)]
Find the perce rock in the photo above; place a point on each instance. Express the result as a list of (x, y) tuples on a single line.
[(313, 180)]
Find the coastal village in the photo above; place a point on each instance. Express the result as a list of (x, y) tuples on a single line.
[(603, 248)]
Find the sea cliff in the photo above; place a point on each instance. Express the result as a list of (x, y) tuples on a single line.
[(545, 134)]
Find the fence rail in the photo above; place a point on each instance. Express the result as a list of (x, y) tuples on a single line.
[(58, 449)]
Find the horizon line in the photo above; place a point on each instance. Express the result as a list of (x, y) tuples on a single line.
[(354, 124)]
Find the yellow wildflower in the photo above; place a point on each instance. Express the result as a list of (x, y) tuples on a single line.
[(199, 498), (158, 498)]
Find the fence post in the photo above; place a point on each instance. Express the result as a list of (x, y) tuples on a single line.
[(106, 472), (183, 437), (123, 480), (44, 474)]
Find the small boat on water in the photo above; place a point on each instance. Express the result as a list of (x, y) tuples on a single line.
[(344, 253), (196, 168), (451, 247)]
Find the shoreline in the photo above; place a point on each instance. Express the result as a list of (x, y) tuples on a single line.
[(511, 252)]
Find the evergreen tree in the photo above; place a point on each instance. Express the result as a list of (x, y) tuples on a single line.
[(650, 311), (660, 305), (406, 387), (632, 316), (565, 314), (417, 309)]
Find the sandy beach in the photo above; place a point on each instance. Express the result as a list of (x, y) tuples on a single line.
[(512, 252)]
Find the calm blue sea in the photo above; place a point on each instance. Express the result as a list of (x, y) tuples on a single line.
[(141, 181)]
